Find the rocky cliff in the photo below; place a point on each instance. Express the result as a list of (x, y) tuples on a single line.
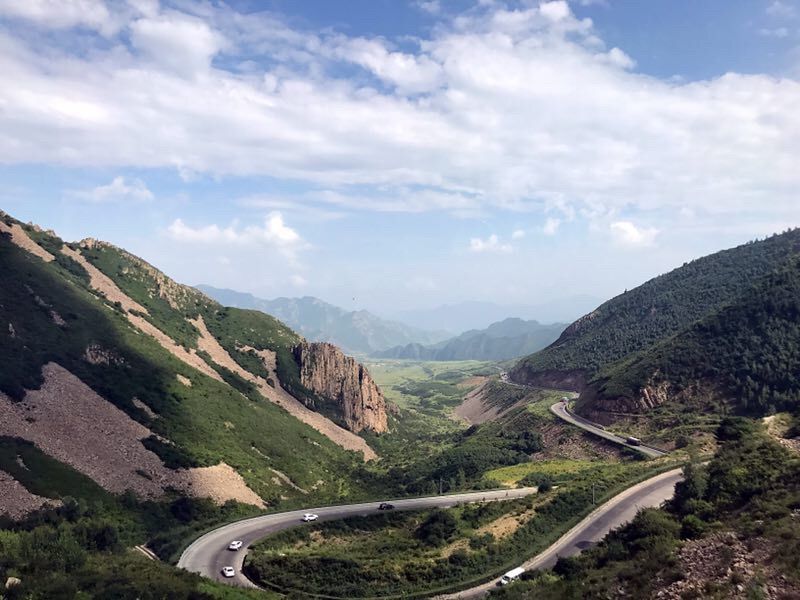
[(337, 378)]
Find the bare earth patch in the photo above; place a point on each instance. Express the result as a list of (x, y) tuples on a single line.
[(565, 441), (15, 500), (475, 409), (220, 483), (23, 240), (724, 565), (778, 427), (70, 422), (277, 395)]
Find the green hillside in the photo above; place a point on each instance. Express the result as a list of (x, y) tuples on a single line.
[(503, 340), (731, 532), (745, 356), (206, 423), (654, 311)]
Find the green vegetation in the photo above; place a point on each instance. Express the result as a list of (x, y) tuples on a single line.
[(749, 350), (206, 422), (751, 488), (416, 554), (79, 552), (660, 308), (551, 470)]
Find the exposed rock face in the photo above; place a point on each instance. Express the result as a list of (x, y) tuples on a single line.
[(328, 372)]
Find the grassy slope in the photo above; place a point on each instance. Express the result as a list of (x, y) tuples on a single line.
[(232, 327), (659, 308), (194, 418), (749, 351)]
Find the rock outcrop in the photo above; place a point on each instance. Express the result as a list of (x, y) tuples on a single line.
[(340, 379)]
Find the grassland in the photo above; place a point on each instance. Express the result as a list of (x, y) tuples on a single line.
[(425, 393)]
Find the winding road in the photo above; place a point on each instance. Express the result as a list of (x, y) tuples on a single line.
[(617, 511), (209, 553), (562, 412)]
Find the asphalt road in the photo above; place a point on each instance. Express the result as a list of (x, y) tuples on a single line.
[(617, 511), (209, 553), (560, 410)]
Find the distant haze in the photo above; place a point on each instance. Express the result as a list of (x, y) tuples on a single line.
[(463, 316)]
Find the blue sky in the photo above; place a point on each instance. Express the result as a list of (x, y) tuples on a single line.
[(389, 154)]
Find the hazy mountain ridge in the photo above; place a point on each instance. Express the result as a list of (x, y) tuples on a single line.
[(507, 339), (465, 316), (357, 331)]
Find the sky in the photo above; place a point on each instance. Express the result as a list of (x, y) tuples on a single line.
[(397, 154)]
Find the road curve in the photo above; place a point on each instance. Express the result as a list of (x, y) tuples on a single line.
[(209, 553), (560, 410), (617, 511)]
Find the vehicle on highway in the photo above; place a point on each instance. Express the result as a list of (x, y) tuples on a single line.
[(228, 571), (235, 545), (310, 517), (511, 576), (633, 441), (385, 506)]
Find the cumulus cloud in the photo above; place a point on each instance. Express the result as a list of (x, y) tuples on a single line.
[(182, 44), (779, 8), (298, 280), (627, 234), (518, 234), (62, 14), (274, 232), (490, 244), (119, 190), (551, 226), (488, 111)]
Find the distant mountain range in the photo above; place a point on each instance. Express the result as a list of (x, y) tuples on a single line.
[(464, 316), (504, 340), (318, 321)]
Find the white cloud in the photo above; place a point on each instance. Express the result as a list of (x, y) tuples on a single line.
[(490, 244), (781, 9), (409, 73), (61, 14), (273, 233), (557, 10), (518, 234), (298, 280), (778, 32), (432, 7), (551, 226), (119, 190), (182, 44), (617, 57), (627, 234), (489, 111)]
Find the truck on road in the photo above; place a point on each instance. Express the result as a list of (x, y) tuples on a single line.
[(511, 576)]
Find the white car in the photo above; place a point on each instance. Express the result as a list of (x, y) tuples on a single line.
[(228, 571), (310, 517), (235, 545)]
